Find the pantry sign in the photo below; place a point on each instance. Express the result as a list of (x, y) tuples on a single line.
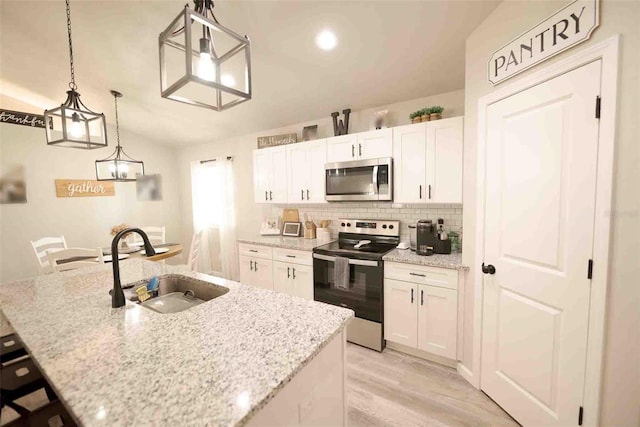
[(566, 28)]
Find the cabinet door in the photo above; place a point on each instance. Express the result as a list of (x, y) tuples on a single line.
[(278, 187), (375, 144), (316, 160), (437, 320), (262, 171), (246, 270), (341, 148), (298, 173), (302, 276), (409, 157), (282, 281), (263, 273), (401, 312), (444, 160)]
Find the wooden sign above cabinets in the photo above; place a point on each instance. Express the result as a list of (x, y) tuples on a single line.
[(84, 188)]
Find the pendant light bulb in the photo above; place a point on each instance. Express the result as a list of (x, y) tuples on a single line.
[(75, 129), (206, 67)]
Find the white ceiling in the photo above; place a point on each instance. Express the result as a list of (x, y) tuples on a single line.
[(388, 51)]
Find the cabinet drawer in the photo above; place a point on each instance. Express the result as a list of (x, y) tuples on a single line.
[(292, 256), (440, 277), (255, 251)]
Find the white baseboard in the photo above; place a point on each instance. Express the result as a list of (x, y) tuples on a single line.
[(468, 375), (422, 354)]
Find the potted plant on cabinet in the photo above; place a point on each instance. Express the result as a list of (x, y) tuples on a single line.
[(424, 115), (435, 113), (415, 117)]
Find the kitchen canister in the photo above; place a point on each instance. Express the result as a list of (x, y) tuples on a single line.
[(412, 237)]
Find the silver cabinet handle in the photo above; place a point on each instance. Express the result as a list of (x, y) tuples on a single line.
[(421, 297), (353, 152), (288, 272), (253, 250), (307, 194), (420, 192), (429, 191), (359, 149), (294, 273), (270, 195), (417, 274), (411, 295), (255, 266), (301, 194), (266, 195), (251, 265), (290, 256)]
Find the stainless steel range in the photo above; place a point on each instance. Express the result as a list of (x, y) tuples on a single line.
[(350, 273)]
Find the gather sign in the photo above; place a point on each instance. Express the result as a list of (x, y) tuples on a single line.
[(569, 26), (84, 188)]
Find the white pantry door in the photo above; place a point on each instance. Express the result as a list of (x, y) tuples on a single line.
[(541, 161)]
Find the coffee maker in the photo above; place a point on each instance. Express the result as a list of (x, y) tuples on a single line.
[(428, 238)]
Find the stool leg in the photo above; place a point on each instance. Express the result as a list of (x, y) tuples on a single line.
[(19, 409), (51, 395)]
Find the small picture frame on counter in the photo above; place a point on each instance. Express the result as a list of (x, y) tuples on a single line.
[(291, 229)]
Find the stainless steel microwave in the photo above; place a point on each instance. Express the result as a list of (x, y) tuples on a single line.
[(359, 180)]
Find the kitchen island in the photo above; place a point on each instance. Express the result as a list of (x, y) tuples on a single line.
[(251, 356)]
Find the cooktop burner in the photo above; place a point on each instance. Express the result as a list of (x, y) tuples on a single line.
[(383, 236)]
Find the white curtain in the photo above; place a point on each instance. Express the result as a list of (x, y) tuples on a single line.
[(213, 196)]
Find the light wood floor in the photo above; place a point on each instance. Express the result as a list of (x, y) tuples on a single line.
[(394, 389)]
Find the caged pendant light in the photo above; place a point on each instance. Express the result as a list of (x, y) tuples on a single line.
[(73, 124), (203, 63), (118, 166)]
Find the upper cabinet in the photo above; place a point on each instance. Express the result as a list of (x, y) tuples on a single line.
[(360, 146), (428, 162), (270, 175), (305, 165)]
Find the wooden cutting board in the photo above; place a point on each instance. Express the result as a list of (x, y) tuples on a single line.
[(290, 215)]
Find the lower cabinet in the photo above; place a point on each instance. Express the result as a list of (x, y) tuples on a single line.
[(283, 270), (420, 315), (256, 272)]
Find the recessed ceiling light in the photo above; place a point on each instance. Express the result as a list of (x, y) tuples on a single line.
[(326, 40)]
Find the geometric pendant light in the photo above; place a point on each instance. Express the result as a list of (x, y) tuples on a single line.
[(118, 166), (72, 124), (203, 63)]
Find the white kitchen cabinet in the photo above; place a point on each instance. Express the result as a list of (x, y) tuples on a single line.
[(421, 308), (293, 279), (375, 144), (270, 175), (444, 160), (305, 162), (256, 272), (400, 312), (342, 148), (428, 162), (409, 155), (437, 320)]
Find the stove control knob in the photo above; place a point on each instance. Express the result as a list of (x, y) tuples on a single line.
[(348, 224), (384, 225), (391, 227), (343, 224)]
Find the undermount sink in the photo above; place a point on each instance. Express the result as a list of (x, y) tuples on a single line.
[(177, 293)]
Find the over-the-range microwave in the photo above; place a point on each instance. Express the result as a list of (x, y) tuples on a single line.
[(359, 180)]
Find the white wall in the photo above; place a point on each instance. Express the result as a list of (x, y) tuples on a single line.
[(621, 388), (250, 215), (87, 221)]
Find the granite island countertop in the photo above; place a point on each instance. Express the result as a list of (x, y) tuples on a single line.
[(407, 256), (216, 364), (297, 243)]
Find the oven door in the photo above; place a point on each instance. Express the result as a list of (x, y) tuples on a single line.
[(364, 295), (359, 180)]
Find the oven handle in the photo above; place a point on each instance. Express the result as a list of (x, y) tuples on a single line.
[(351, 261)]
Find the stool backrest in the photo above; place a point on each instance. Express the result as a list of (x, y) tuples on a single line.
[(40, 248)]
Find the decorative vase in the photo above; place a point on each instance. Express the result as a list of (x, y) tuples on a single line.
[(416, 120), (424, 118), (435, 116)]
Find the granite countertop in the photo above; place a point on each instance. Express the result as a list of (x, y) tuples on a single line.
[(407, 256), (216, 364), (298, 243)]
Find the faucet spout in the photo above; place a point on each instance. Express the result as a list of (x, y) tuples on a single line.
[(117, 295)]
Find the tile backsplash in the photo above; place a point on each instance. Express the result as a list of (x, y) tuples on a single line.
[(406, 214)]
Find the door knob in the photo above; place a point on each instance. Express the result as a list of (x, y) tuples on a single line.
[(488, 269)]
